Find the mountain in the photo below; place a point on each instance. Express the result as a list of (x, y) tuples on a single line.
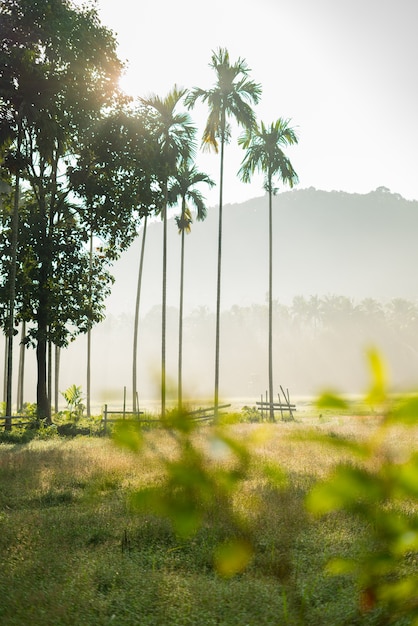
[(358, 245), (326, 244)]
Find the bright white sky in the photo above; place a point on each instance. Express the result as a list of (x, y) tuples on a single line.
[(344, 71)]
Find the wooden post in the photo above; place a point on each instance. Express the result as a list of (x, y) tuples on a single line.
[(287, 400), (105, 417), (124, 402), (280, 403)]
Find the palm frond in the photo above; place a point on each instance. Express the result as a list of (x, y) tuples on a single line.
[(264, 153), (184, 221), (231, 96)]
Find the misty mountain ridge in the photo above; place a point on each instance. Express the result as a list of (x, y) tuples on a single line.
[(325, 244), (357, 245)]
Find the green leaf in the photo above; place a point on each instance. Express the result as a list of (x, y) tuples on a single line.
[(339, 442), (378, 390), (330, 400), (233, 557), (275, 475), (404, 478), (345, 489), (400, 591), (128, 435), (340, 566), (405, 412), (149, 500), (186, 518)]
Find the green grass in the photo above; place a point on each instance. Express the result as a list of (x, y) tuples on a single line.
[(74, 553)]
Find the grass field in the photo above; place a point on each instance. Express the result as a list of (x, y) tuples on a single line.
[(73, 552)]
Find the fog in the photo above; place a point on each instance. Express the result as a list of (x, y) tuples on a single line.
[(318, 343), (343, 281)]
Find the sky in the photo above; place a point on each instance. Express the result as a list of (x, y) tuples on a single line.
[(343, 71)]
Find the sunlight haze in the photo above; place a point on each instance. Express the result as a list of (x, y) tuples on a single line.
[(342, 71)]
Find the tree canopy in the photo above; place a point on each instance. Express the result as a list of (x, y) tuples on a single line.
[(68, 137)]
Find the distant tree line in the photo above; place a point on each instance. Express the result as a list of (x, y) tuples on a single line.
[(317, 340)]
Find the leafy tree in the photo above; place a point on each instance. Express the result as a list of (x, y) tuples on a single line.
[(58, 73), (231, 96), (126, 139), (74, 305), (182, 186), (264, 146), (175, 139)]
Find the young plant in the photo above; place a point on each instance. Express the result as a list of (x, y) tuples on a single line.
[(74, 399)]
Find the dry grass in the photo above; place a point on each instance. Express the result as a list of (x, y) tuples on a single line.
[(64, 518)]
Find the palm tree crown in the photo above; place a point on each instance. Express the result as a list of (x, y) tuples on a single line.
[(264, 147), (232, 95), (175, 134), (175, 137), (182, 186)]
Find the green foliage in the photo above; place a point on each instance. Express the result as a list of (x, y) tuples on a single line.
[(199, 483), (65, 133), (112, 565), (74, 399), (382, 493), (250, 414)]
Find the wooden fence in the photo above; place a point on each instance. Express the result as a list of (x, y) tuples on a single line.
[(14, 420), (283, 405), (197, 415)]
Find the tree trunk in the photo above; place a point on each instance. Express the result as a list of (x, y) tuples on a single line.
[(6, 352), (136, 323), (270, 347), (43, 404), (43, 408), (49, 374), (88, 395), (164, 305), (218, 284), (57, 375), (21, 374), (180, 363), (12, 283)]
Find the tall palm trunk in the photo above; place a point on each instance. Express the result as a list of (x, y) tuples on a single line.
[(164, 304), (42, 317), (6, 352), (49, 379), (218, 283), (88, 398), (43, 406), (136, 323), (270, 339), (21, 372), (12, 282), (57, 376), (180, 363)]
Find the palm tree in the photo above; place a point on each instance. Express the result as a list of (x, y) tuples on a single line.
[(135, 406), (231, 96), (264, 146), (183, 187), (175, 140)]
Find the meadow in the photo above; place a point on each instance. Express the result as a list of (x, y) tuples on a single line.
[(75, 550)]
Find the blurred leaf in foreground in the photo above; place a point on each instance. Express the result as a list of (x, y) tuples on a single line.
[(232, 557)]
